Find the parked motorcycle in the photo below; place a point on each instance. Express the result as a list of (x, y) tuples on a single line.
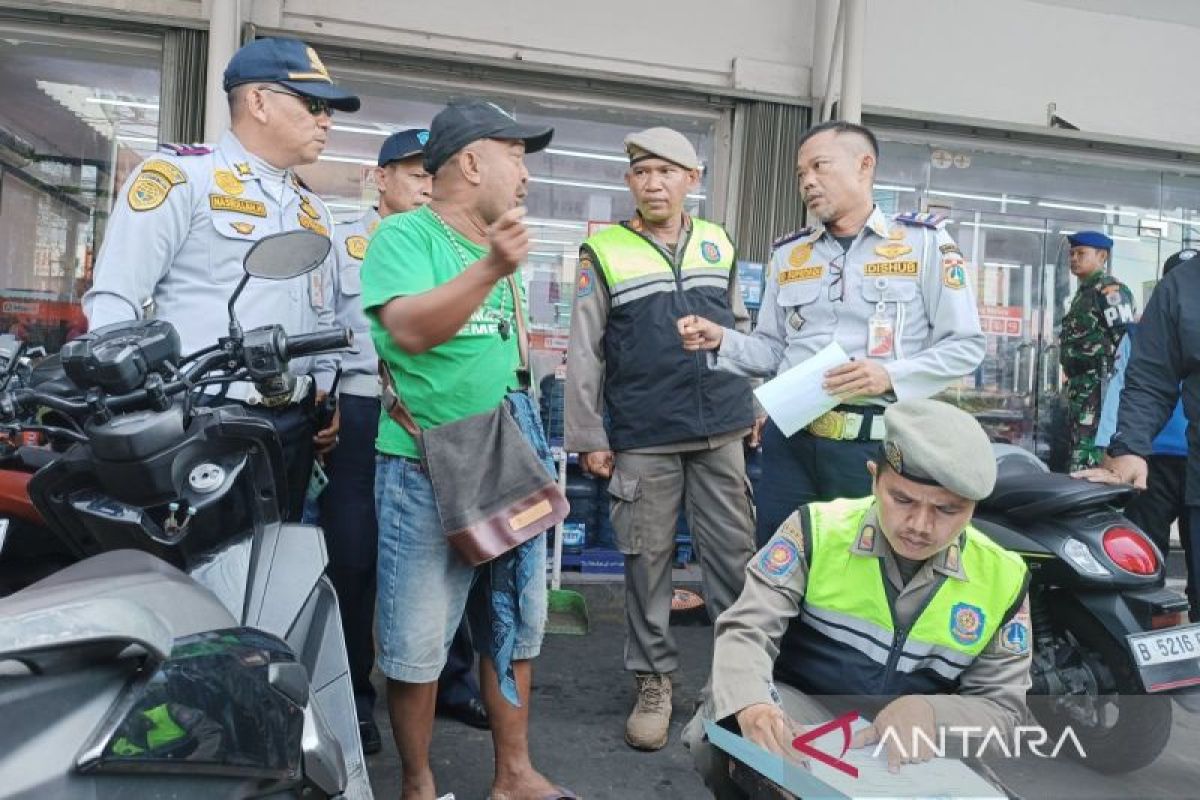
[(1109, 647), (195, 649), (28, 550)]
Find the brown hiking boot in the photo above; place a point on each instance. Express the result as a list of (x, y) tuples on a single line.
[(647, 726)]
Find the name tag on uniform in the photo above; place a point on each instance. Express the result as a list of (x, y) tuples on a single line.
[(801, 274), (223, 202), (891, 269)]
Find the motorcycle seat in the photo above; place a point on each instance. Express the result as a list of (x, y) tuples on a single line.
[(132, 575), (1029, 495)]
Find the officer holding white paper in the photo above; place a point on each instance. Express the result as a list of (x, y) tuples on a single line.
[(892, 291)]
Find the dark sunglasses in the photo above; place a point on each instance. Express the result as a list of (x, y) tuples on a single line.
[(316, 105)]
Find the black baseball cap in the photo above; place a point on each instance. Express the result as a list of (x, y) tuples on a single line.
[(465, 121), (402, 145), (291, 63), (1175, 259)]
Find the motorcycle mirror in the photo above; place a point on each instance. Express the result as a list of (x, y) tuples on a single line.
[(278, 257), (286, 255)]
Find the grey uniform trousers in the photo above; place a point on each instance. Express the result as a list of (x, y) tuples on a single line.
[(646, 492)]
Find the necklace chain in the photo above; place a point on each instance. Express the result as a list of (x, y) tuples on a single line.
[(503, 325)]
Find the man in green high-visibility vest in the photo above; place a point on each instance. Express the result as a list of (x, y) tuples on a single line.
[(893, 600), (653, 418)]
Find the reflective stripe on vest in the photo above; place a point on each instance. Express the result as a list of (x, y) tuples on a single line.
[(634, 268), (847, 602)]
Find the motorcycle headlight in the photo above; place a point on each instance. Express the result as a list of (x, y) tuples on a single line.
[(1081, 556)]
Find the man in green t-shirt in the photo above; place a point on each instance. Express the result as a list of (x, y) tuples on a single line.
[(443, 320)]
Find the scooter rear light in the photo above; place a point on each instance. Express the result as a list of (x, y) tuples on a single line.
[(1168, 619), (1131, 551)]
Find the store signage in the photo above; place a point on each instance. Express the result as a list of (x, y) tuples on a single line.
[(1001, 320)]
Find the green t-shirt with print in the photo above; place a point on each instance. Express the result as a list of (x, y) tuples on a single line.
[(410, 254)]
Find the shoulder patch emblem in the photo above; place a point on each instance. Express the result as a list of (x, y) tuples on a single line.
[(244, 228), (223, 202), (172, 173), (710, 252), (356, 246), (586, 282), (227, 182), (1015, 636), (779, 559), (967, 623), (800, 255), (312, 225), (148, 191), (954, 272)]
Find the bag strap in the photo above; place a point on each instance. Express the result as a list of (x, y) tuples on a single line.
[(400, 413), (393, 405), (522, 334)]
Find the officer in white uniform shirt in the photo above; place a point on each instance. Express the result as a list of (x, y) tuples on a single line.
[(186, 218), (893, 292)]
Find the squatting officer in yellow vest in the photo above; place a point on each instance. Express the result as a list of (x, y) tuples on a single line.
[(674, 427), (893, 599)]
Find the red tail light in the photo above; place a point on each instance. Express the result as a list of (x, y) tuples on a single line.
[(1131, 551)]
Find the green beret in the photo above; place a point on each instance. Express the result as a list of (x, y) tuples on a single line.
[(932, 442)]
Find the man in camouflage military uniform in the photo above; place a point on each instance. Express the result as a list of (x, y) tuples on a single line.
[(1091, 330)]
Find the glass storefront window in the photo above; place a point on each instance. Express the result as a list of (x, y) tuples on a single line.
[(1010, 209), (575, 183), (78, 111)]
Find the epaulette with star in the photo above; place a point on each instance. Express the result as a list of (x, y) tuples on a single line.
[(185, 149), (927, 219), (791, 237)]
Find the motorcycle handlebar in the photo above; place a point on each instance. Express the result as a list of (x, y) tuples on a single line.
[(11, 403), (304, 344)]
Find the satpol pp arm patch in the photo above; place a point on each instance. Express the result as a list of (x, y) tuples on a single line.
[(585, 282), (783, 555)]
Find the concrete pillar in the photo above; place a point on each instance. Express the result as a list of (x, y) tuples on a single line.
[(224, 26), (855, 21), (824, 28)]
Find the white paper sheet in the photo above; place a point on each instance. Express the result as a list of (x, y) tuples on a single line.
[(795, 398), (936, 779)]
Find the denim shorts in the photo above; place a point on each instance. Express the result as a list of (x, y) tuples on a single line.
[(424, 587)]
